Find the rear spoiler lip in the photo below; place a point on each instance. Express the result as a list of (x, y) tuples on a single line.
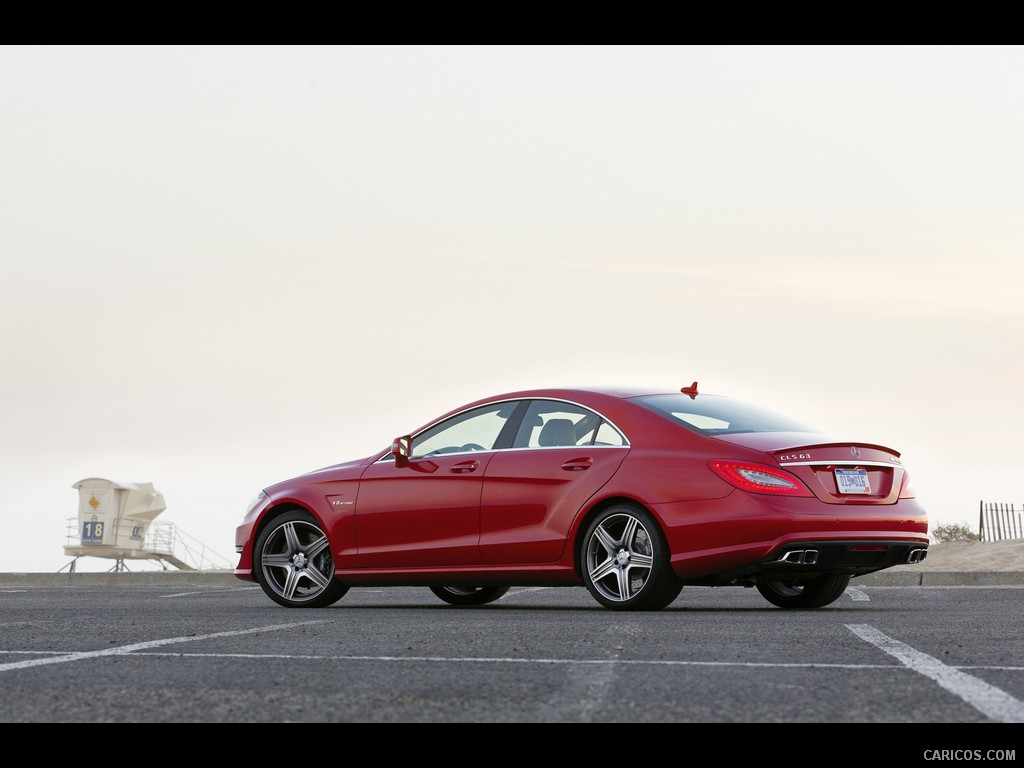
[(787, 442)]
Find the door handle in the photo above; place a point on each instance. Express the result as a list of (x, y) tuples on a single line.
[(465, 466), (575, 465)]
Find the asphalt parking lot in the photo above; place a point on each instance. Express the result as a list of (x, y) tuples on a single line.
[(224, 653)]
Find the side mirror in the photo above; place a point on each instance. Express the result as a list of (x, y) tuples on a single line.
[(401, 449)]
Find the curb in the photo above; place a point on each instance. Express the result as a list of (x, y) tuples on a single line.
[(124, 579), (228, 579), (941, 579)]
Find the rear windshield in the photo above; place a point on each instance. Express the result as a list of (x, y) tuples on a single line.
[(717, 415)]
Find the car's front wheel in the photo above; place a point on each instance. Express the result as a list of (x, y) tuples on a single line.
[(293, 563), (469, 595), (626, 563), (815, 593)]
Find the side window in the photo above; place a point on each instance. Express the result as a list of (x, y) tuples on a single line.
[(550, 423), (609, 435), (475, 430)]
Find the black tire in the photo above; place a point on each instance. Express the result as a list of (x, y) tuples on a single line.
[(469, 595), (292, 563), (815, 593), (625, 561)]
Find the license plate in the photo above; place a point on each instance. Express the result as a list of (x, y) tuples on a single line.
[(852, 481)]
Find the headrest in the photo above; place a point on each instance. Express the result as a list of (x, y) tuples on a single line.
[(557, 432)]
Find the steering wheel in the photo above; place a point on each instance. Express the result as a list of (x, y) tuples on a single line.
[(472, 447)]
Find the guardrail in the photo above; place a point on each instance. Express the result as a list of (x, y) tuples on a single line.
[(998, 521)]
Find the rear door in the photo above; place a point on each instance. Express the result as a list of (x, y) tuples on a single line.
[(561, 456)]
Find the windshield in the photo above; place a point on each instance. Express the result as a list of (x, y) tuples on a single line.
[(717, 415)]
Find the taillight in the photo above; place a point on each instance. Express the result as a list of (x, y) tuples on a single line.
[(907, 488), (759, 478)]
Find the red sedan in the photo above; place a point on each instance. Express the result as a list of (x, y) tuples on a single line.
[(632, 493)]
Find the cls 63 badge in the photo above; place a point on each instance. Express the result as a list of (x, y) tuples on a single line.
[(794, 456)]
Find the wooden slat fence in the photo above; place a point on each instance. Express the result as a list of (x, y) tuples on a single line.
[(998, 522)]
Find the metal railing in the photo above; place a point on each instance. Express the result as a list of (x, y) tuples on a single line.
[(999, 522), (168, 538)]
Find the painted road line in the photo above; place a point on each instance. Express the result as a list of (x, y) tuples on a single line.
[(523, 660), (992, 702), (213, 591), (522, 592), (857, 595), (134, 647)]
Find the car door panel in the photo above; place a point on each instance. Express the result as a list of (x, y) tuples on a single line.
[(531, 497), (424, 514)]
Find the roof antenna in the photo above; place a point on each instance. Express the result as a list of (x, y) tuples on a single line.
[(690, 390)]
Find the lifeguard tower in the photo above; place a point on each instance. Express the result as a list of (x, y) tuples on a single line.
[(113, 521)]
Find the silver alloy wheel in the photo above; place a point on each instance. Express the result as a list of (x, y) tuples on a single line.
[(619, 557), (296, 561)]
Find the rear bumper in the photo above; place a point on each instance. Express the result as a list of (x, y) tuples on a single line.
[(802, 560), (854, 557), (744, 535), (797, 561)]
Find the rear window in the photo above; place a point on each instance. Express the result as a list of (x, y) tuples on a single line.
[(717, 415)]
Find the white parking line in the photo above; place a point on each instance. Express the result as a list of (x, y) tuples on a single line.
[(522, 592), (210, 591), (490, 659), (512, 660), (987, 699), (123, 649), (856, 594)]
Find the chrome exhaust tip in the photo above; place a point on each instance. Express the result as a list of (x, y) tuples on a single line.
[(917, 555), (800, 557)]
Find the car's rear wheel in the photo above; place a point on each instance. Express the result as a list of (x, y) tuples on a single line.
[(293, 563), (469, 595), (815, 593), (626, 563)]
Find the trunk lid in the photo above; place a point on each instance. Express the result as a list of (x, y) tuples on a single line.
[(836, 470)]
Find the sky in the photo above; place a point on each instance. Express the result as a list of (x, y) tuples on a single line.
[(224, 266)]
